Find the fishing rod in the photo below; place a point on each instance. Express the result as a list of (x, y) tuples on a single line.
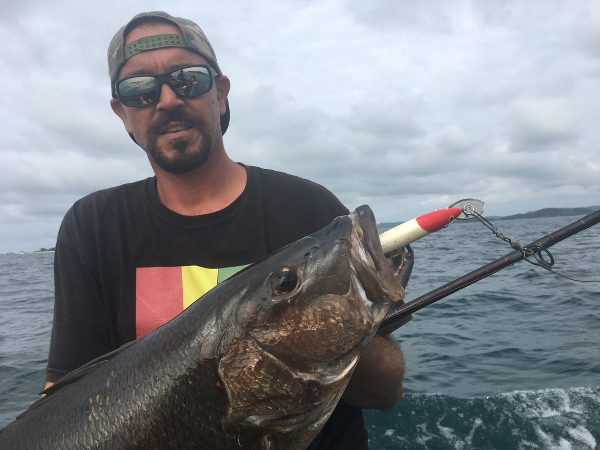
[(399, 310)]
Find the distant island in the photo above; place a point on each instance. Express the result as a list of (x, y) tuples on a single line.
[(44, 250), (550, 212)]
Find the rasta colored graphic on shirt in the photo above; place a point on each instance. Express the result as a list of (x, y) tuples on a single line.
[(163, 292)]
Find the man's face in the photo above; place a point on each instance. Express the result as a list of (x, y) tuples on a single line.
[(179, 134)]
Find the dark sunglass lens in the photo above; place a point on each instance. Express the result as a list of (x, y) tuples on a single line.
[(137, 91), (191, 81)]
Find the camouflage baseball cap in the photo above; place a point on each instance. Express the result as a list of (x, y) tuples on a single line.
[(192, 37)]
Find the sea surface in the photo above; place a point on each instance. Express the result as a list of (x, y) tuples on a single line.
[(511, 362)]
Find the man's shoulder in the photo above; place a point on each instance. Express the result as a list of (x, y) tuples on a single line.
[(101, 212), (292, 207), (113, 196), (282, 186), (274, 177), (111, 204)]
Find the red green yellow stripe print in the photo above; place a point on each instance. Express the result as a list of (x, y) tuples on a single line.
[(161, 293)]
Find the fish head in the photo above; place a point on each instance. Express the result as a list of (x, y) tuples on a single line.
[(307, 312), (325, 296)]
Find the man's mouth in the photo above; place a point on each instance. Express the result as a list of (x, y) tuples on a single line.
[(175, 129)]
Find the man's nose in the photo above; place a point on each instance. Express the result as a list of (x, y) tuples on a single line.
[(168, 100)]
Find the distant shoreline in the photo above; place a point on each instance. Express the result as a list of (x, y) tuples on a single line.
[(41, 250), (550, 212)]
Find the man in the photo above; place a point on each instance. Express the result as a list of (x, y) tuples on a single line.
[(123, 254)]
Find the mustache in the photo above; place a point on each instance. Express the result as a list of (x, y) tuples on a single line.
[(177, 115)]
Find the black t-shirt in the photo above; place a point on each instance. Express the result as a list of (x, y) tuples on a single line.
[(120, 249)]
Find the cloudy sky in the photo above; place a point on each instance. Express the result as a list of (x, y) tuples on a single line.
[(406, 106)]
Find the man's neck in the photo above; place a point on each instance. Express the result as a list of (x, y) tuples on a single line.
[(207, 189)]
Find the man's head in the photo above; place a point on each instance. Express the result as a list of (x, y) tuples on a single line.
[(172, 96)]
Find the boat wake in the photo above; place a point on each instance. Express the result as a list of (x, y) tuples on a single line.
[(561, 419)]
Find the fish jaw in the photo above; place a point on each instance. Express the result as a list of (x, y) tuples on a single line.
[(377, 284)]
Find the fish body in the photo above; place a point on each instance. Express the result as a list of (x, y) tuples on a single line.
[(259, 362)]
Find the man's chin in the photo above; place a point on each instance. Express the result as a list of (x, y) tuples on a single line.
[(180, 163), (180, 155), (176, 146)]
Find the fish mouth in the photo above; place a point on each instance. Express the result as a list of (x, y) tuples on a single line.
[(375, 285)]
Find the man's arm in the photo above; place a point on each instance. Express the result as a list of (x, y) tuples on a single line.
[(377, 379), (80, 328)]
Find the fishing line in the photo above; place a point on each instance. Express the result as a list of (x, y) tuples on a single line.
[(529, 251)]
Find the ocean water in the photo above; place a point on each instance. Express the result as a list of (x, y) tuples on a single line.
[(511, 362)]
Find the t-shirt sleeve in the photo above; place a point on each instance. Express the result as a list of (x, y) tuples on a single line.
[(80, 326)]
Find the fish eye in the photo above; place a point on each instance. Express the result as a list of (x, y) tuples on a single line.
[(283, 280)]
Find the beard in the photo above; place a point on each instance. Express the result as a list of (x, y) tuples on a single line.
[(185, 159)]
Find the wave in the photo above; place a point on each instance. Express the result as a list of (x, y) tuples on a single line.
[(560, 419)]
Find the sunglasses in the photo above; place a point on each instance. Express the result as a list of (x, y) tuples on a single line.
[(143, 90)]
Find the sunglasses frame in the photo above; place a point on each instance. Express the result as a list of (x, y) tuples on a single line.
[(163, 78)]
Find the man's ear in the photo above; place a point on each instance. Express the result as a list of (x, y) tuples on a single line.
[(223, 85), (117, 108)]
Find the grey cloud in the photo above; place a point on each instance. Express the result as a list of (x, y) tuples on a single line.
[(521, 15), (356, 160), (269, 124), (427, 15), (42, 172), (385, 118), (264, 115), (586, 30), (542, 124), (454, 139)]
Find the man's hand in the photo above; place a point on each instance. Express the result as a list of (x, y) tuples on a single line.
[(46, 386), (377, 379)]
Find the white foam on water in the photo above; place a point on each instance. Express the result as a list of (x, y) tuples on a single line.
[(424, 434), (526, 445), (545, 419), (469, 439), (548, 408), (543, 403), (451, 437), (582, 435), (454, 440), (448, 434), (389, 432), (551, 444)]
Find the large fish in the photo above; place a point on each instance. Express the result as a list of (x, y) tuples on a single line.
[(259, 362)]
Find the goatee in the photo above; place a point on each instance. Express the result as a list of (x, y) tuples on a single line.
[(185, 159)]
